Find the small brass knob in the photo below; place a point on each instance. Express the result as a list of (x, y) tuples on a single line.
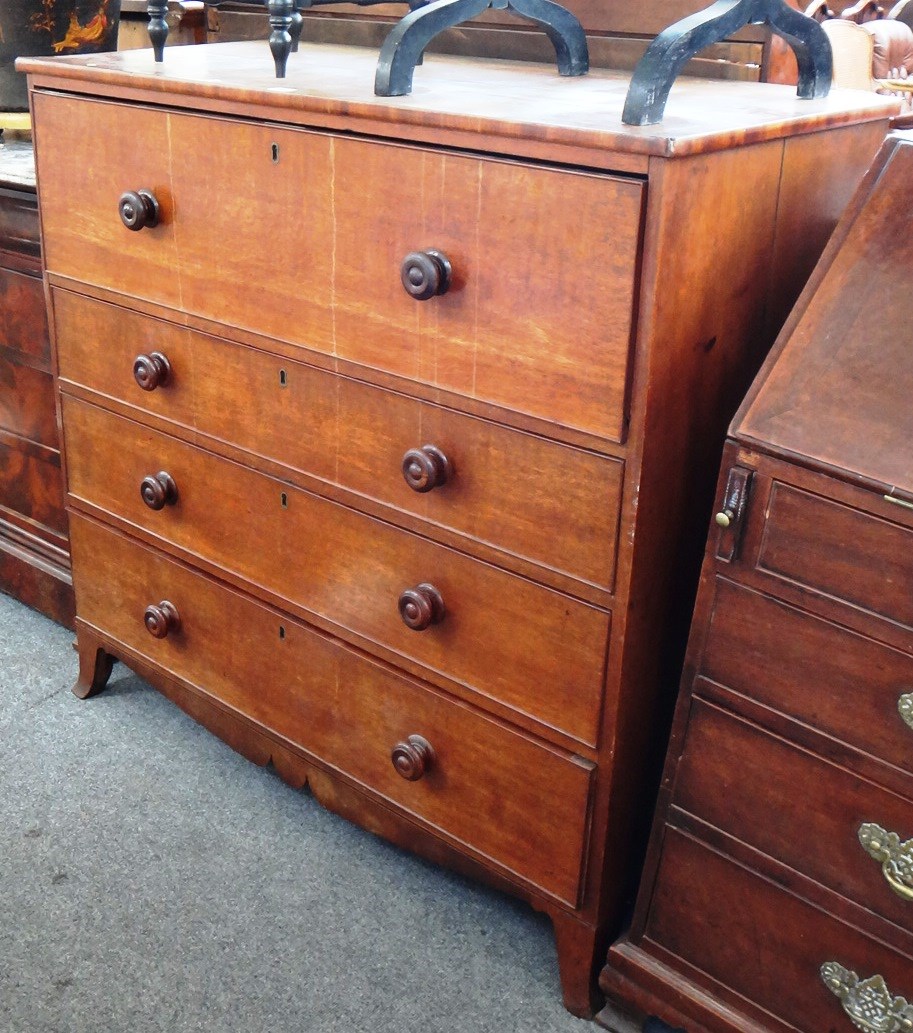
[(138, 209), (151, 371), (159, 490), (426, 274), (426, 468), (162, 620), (724, 518), (412, 758), (420, 607)]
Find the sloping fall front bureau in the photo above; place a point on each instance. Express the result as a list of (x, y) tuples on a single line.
[(390, 425), (778, 892)]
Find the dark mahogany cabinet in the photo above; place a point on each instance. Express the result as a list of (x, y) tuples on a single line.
[(34, 552), (778, 892)]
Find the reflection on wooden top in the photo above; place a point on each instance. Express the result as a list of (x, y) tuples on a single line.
[(455, 95)]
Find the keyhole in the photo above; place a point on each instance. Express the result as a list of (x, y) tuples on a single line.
[(283, 378), (275, 150), (283, 498), (281, 631)]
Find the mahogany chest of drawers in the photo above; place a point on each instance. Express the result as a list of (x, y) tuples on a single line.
[(389, 424), (34, 552), (778, 893)]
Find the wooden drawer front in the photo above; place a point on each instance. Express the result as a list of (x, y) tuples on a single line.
[(508, 489), (311, 231), (839, 551), (27, 406), (530, 648), (19, 230), (88, 155), (842, 684), (539, 318), (759, 941), (23, 318), (32, 486), (508, 797), (794, 806)]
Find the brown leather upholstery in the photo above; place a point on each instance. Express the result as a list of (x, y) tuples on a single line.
[(893, 47)]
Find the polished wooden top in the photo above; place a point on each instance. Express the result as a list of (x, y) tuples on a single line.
[(836, 389), (478, 98)]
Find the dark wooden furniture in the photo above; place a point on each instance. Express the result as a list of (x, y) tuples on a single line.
[(34, 553), (388, 423), (778, 893), (186, 20), (617, 32)]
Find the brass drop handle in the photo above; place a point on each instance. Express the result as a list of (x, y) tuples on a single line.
[(420, 607), (905, 706), (412, 758), (162, 620), (138, 209), (426, 274), (151, 371), (159, 490), (868, 1003), (426, 468), (895, 857)]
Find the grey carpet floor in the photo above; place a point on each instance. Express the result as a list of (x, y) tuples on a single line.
[(153, 880)]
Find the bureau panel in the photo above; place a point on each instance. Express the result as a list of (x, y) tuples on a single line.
[(32, 485), (852, 688), (839, 551), (513, 800), (27, 406), (526, 646), (504, 487), (312, 231), (814, 816), (23, 320), (759, 941)]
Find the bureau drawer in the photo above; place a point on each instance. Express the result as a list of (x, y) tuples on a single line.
[(841, 684), (27, 407), (19, 222), (23, 316), (506, 488), (530, 648), (807, 813), (31, 485), (762, 943), (507, 797), (838, 551), (311, 231)]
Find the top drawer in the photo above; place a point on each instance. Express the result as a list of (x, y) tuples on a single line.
[(839, 551), (311, 231)]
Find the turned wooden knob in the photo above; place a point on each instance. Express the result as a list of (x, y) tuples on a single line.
[(159, 491), (138, 209), (162, 620), (425, 274), (151, 371), (426, 468), (420, 607), (412, 758)]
